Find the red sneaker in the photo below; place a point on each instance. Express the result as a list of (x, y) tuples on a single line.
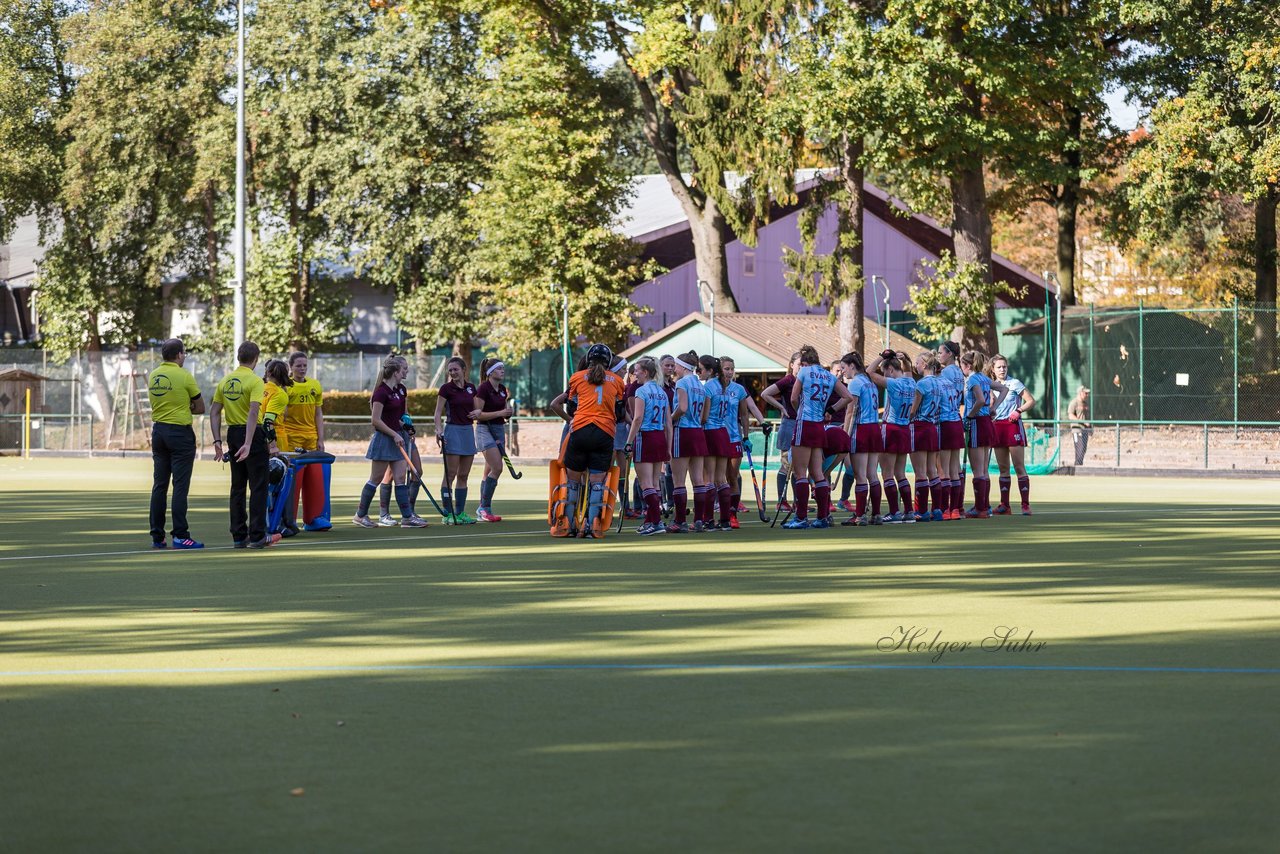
[(1026, 509), (733, 521), (1003, 510), (785, 506), (846, 505)]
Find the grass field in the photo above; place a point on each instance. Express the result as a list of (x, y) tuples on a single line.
[(491, 688)]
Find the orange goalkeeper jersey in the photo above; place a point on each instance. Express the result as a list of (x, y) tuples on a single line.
[(596, 403)]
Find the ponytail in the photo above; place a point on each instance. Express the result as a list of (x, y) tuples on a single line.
[(809, 355), (712, 364), (389, 367), (596, 372)]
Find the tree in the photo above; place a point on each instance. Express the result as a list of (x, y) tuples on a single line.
[(547, 209), (415, 143), (704, 72), (1215, 132), (833, 95), (963, 71)]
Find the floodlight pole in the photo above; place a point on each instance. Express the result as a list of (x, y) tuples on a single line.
[(1049, 276), (874, 280), (238, 242), (564, 329)]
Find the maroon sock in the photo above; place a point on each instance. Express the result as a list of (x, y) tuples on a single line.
[(986, 494), (860, 499), (681, 495), (922, 495), (1024, 489), (822, 491), (653, 502), (725, 497), (735, 498), (937, 490), (1004, 490), (874, 490), (700, 503), (802, 499), (904, 491), (891, 495)]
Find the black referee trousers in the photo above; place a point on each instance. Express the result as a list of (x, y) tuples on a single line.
[(251, 473), (173, 453)]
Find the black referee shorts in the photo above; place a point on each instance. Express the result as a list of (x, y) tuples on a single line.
[(589, 449)]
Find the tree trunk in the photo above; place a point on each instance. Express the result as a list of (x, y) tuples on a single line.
[(710, 237), (1264, 273), (850, 217), (971, 227), (462, 350), (93, 353), (1067, 207)]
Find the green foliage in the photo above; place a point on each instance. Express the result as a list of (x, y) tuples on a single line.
[(547, 209), (951, 294)]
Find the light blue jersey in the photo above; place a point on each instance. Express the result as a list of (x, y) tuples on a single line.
[(735, 395), (900, 394), (953, 383), (1012, 400), (933, 392), (657, 410), (974, 382), (697, 398), (717, 403), (867, 397), (816, 385)]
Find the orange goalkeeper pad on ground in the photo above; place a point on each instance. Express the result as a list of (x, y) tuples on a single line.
[(557, 502)]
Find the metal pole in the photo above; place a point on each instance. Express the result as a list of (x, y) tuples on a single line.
[(1142, 378), (1206, 445), (1091, 350), (26, 427), (1235, 367), (565, 338), (1057, 373), (238, 243)]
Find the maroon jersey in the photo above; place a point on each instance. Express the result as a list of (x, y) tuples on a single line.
[(393, 404), (493, 400), (629, 394), (784, 386), (459, 401), (670, 389)]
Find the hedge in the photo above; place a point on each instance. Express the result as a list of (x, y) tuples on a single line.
[(422, 403)]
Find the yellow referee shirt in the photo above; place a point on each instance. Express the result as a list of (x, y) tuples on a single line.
[(299, 423), (235, 392), (171, 389)]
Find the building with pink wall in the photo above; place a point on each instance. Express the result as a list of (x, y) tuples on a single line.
[(896, 245)]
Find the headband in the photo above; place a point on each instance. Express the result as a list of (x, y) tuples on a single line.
[(619, 366), (493, 368), (682, 363)]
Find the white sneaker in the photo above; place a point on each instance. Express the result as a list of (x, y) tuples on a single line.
[(385, 521), (364, 521)]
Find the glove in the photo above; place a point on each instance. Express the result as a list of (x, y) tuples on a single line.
[(407, 422), (746, 446), (630, 449), (767, 428)]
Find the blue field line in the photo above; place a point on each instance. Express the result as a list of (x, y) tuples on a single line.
[(651, 666)]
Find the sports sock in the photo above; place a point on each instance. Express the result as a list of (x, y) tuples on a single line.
[(681, 496), (1005, 480), (981, 492), (822, 492), (847, 485), (782, 485), (922, 495), (413, 495), (936, 491), (595, 503), (653, 504), (891, 495), (487, 488), (460, 499), (802, 498), (402, 499), (860, 499), (956, 489), (735, 498), (874, 489), (446, 497), (904, 492), (725, 497), (366, 498), (1024, 489), (384, 498), (669, 482)]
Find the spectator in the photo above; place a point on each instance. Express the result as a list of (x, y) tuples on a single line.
[(1081, 429)]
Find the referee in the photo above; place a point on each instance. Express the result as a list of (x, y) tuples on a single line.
[(175, 397), (240, 395)]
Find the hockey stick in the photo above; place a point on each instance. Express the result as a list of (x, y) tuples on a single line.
[(417, 474), (502, 449), (755, 482), (624, 500)]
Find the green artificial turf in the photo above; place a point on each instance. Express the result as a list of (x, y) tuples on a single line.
[(489, 688)]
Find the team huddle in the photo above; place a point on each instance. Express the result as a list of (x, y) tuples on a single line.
[(684, 422)]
